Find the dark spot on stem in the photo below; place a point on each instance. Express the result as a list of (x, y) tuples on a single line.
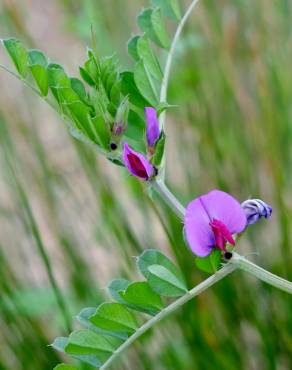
[(113, 146), (228, 255)]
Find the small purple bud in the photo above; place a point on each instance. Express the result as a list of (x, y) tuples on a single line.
[(136, 163), (152, 126), (255, 209), (119, 128), (121, 118)]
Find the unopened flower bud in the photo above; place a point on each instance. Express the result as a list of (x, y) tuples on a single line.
[(121, 119), (152, 126), (255, 209), (137, 164)]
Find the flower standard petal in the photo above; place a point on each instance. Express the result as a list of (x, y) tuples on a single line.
[(223, 207), (136, 163), (152, 126)]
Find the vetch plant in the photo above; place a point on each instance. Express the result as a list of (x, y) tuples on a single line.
[(122, 114)]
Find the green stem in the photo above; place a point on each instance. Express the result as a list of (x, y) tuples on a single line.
[(167, 69), (168, 197), (166, 74), (261, 273), (200, 288)]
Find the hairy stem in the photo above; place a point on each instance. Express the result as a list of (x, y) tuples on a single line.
[(226, 270), (261, 273)]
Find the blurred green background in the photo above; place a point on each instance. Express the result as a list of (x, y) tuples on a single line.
[(64, 208)]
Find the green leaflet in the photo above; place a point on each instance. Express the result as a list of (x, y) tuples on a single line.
[(146, 84), (65, 367), (114, 317), (164, 282), (18, 55), (135, 131), (159, 150), (87, 342), (84, 319), (149, 58), (80, 115), (161, 273), (143, 297), (147, 72), (60, 344), (101, 131), (132, 47), (129, 88), (86, 76), (159, 28), (145, 24), (152, 24), (210, 263), (78, 87), (37, 63), (116, 286), (138, 295), (57, 76), (90, 72), (169, 8)]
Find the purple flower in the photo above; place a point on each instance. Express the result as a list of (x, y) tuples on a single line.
[(255, 209), (152, 126), (210, 221), (136, 163)]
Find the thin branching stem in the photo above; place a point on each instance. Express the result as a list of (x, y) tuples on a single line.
[(168, 197), (167, 69), (166, 74)]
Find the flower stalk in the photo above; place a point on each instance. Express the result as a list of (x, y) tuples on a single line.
[(260, 273)]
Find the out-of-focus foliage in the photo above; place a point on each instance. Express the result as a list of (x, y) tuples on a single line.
[(232, 81)]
